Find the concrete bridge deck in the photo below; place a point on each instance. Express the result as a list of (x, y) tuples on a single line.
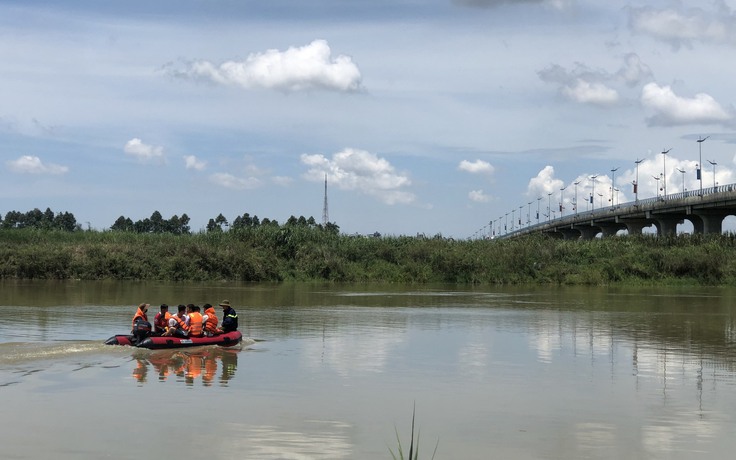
[(705, 211)]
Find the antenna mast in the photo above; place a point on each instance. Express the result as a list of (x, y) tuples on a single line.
[(325, 215)]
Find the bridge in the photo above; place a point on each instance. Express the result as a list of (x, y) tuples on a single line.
[(705, 209)]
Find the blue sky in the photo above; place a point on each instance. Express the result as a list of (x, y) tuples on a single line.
[(428, 117)]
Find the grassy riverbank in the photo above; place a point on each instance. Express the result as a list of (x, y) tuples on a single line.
[(280, 253)]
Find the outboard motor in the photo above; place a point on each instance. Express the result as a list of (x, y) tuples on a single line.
[(141, 330)]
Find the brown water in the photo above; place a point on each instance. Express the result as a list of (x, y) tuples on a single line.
[(331, 371)]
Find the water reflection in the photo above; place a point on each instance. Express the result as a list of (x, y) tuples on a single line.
[(326, 440), (518, 373), (195, 366)]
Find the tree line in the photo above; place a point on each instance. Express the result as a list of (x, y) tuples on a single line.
[(176, 225), (45, 220)]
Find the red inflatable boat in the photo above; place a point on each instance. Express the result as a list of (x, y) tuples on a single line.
[(158, 342)]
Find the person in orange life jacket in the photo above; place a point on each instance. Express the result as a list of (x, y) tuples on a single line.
[(177, 323), (141, 314), (196, 325), (161, 320), (229, 317), (141, 327), (209, 319)]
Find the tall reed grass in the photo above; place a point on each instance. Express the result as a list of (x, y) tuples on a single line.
[(301, 253), (413, 453)]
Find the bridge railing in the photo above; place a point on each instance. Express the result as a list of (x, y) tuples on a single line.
[(602, 211)]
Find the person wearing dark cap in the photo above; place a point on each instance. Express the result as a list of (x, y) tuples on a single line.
[(229, 317), (161, 320)]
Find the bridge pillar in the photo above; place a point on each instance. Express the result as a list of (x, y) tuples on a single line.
[(634, 227), (587, 232), (569, 233), (610, 229), (667, 226), (697, 221), (712, 221)]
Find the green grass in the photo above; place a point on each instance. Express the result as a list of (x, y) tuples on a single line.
[(303, 253), (413, 453)]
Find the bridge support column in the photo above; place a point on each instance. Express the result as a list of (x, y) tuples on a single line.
[(635, 227), (587, 232), (667, 227), (611, 229), (569, 233), (712, 221), (697, 221)]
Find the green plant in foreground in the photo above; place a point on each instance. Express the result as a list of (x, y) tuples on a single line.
[(413, 452)]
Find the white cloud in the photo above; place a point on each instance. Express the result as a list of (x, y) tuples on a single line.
[(235, 183), (296, 69), (634, 71), (33, 165), (681, 27), (544, 183), (478, 196), (191, 162), (282, 180), (136, 148), (353, 169), (670, 109), (590, 93), (557, 4), (476, 167), (582, 85)]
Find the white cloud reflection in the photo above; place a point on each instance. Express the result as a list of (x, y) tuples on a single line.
[(325, 440), (353, 353)]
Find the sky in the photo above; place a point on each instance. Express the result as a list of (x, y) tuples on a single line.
[(434, 117)]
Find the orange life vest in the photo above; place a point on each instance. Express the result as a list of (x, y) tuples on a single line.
[(211, 324), (161, 322), (139, 314), (195, 324), (182, 324)]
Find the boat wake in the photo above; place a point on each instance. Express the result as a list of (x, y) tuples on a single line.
[(16, 353)]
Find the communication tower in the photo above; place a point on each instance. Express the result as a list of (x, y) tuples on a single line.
[(325, 214)]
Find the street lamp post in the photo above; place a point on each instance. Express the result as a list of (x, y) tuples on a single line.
[(657, 178), (549, 206), (699, 170), (513, 218), (529, 214), (506, 225), (592, 203), (613, 183), (575, 205), (600, 200), (520, 212), (683, 179), (636, 182), (714, 172), (664, 170), (539, 200), (561, 199)]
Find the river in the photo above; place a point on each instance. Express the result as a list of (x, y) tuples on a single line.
[(336, 372)]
